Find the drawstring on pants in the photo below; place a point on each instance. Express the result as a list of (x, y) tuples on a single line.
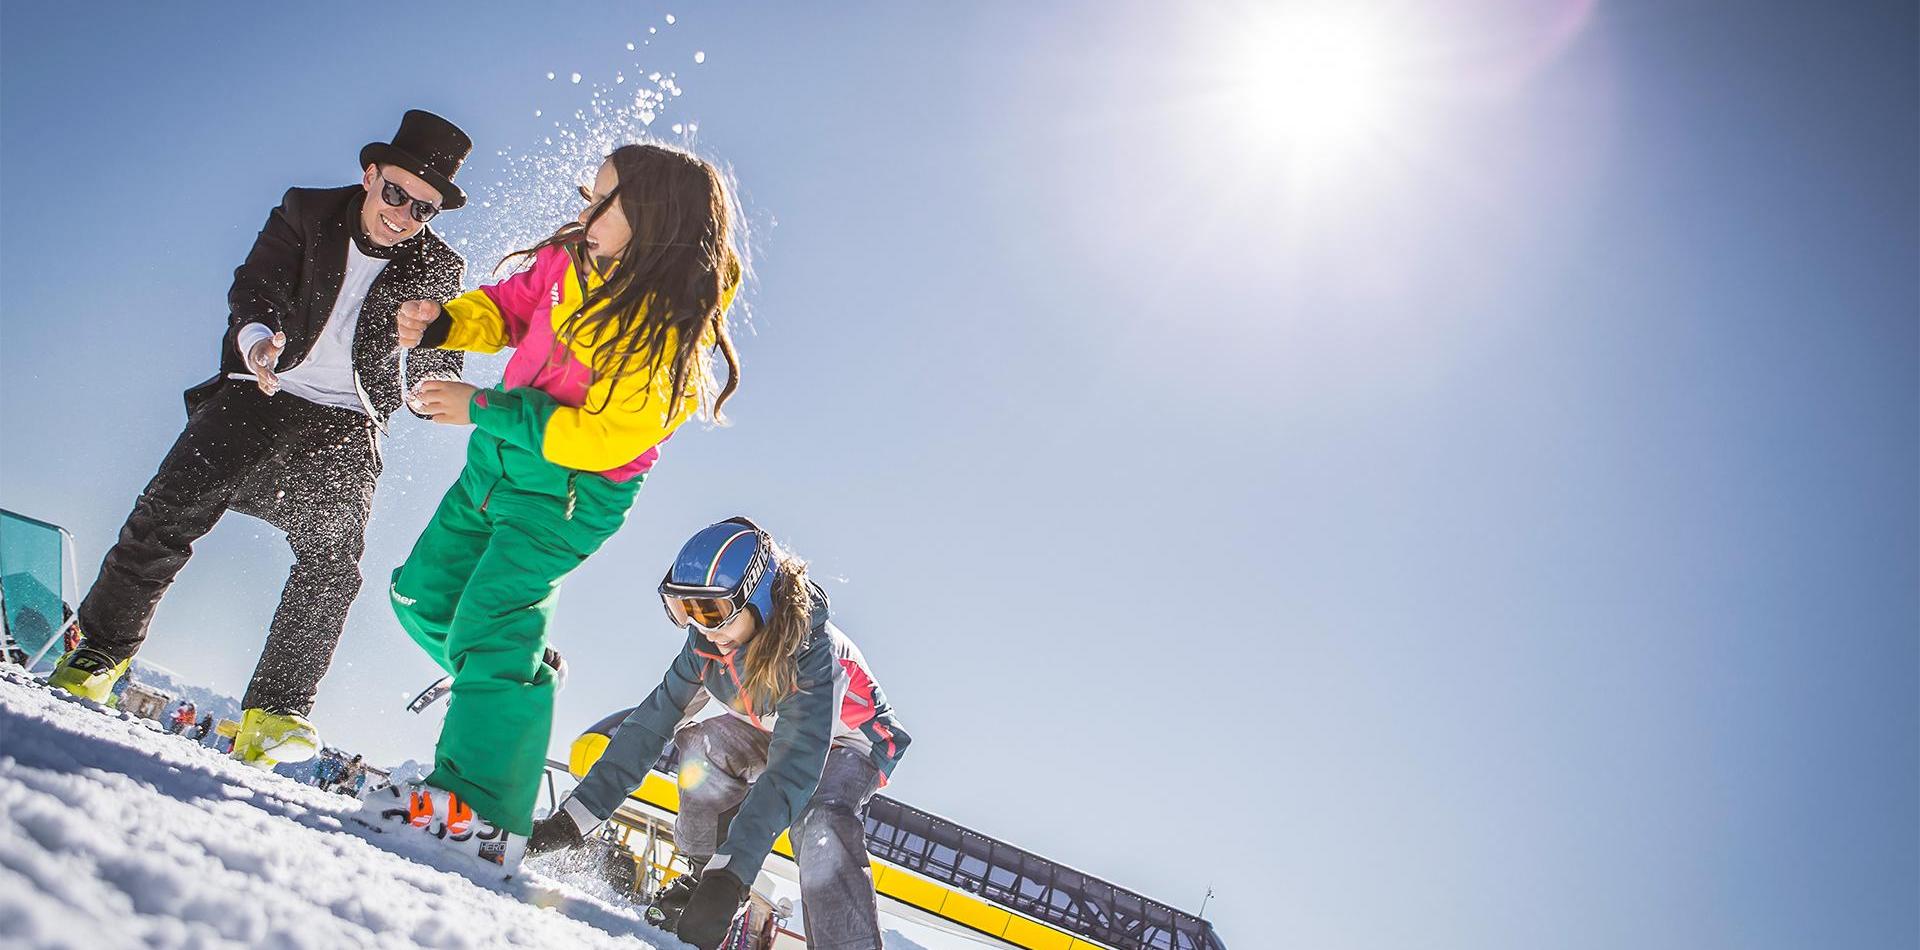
[(570, 495)]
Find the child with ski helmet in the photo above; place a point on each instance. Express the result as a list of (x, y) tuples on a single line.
[(806, 740), (612, 325)]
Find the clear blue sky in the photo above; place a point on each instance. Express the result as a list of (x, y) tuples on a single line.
[(1502, 533)]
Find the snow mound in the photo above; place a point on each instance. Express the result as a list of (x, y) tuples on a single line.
[(116, 834)]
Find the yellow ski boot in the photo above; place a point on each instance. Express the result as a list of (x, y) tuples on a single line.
[(269, 738), (88, 674)]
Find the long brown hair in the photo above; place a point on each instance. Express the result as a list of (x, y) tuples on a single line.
[(668, 284), (772, 672)]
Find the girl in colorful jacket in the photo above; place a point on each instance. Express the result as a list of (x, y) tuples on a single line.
[(806, 739), (613, 326)]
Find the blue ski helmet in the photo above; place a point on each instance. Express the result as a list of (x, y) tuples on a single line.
[(732, 560)]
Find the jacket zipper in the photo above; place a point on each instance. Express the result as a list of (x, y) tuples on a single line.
[(739, 688), (500, 456)]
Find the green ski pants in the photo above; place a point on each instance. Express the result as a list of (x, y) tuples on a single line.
[(478, 593)]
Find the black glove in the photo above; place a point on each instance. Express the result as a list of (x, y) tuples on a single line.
[(558, 664), (556, 832), (708, 915)]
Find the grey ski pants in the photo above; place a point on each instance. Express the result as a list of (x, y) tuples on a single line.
[(829, 840)]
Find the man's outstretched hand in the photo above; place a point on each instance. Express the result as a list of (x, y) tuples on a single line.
[(444, 400), (413, 319), (263, 357)]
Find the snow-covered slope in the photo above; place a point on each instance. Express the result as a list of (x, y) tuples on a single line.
[(115, 834)]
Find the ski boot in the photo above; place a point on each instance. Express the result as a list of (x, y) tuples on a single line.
[(268, 738), (88, 674), (446, 819)]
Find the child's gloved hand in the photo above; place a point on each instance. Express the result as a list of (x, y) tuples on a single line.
[(710, 911), (556, 832), (558, 664)]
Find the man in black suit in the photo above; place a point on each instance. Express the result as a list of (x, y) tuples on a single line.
[(287, 431)]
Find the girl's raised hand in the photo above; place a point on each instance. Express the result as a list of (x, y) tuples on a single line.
[(413, 318), (444, 400)]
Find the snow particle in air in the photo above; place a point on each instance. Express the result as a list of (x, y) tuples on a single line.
[(629, 46), (576, 78), (549, 75), (699, 56), (669, 19)]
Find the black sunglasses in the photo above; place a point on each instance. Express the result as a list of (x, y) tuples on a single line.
[(395, 196)]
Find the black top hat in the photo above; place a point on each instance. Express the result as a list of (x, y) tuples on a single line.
[(428, 146)]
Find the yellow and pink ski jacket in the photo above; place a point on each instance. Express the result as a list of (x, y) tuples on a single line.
[(550, 400)]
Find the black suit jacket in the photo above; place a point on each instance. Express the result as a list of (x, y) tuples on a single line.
[(293, 274)]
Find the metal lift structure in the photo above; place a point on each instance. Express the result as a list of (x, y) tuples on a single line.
[(926, 869)]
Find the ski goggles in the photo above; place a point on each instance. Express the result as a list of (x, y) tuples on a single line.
[(710, 608), (707, 613), (395, 196)]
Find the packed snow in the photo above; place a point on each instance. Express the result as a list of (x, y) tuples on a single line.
[(114, 833)]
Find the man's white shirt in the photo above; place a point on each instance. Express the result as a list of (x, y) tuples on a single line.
[(326, 375)]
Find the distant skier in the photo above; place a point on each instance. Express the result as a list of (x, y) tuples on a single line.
[(287, 431), (612, 326), (206, 725), (809, 737), (327, 770), (183, 717)]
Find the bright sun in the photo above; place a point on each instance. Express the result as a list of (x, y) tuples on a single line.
[(1318, 83)]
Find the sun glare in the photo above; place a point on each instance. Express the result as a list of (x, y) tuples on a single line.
[(1318, 85)]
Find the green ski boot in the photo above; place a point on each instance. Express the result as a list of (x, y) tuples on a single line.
[(268, 738), (88, 674)]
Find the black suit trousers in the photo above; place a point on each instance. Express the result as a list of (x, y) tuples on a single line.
[(305, 468)]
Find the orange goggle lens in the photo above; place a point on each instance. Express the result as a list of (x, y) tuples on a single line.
[(708, 612)]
